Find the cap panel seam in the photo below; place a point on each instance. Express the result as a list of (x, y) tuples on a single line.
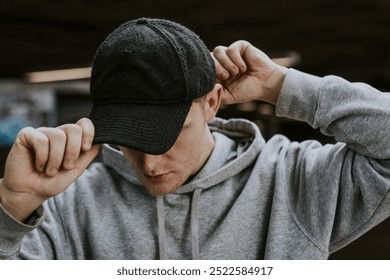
[(177, 58)]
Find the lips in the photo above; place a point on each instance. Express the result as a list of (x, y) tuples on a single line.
[(158, 177)]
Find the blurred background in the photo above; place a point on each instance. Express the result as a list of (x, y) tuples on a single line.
[(349, 38)]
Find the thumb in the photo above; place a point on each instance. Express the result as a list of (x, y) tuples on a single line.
[(85, 159)]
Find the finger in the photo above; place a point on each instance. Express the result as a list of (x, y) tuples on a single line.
[(236, 52), (221, 55), (220, 72), (57, 142), (31, 138), (88, 132), (73, 145), (85, 159)]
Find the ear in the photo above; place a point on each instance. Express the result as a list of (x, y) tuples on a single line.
[(213, 101)]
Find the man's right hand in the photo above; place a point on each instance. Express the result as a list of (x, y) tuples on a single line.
[(42, 163)]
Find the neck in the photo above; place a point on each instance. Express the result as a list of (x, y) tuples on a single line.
[(208, 146)]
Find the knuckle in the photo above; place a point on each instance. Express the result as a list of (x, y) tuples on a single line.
[(243, 42), (26, 129), (24, 132), (230, 51), (72, 129), (86, 126), (219, 49), (42, 141), (84, 122), (58, 134), (53, 133)]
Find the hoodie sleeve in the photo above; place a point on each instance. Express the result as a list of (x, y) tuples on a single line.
[(354, 113), (337, 192), (12, 232), (40, 237)]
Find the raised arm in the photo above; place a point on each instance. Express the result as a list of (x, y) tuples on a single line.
[(346, 186), (42, 163), (354, 113)]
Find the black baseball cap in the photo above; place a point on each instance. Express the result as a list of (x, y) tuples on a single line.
[(145, 76)]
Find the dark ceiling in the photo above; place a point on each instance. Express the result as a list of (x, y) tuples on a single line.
[(350, 38)]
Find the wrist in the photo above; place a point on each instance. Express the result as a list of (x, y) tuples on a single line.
[(274, 84), (19, 205)]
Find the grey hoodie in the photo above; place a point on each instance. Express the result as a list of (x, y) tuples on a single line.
[(251, 200)]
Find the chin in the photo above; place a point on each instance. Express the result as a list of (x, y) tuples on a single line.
[(157, 189)]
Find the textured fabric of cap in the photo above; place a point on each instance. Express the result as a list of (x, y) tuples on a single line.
[(145, 77)]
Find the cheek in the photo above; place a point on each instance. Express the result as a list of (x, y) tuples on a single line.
[(128, 156), (188, 147), (133, 159)]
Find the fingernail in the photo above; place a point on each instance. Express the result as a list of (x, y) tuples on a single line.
[(52, 171), (41, 168)]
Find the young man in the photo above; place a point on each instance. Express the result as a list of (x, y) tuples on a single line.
[(178, 183)]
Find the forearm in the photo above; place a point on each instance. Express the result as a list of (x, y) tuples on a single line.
[(354, 113)]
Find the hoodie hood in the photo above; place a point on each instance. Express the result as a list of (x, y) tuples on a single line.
[(237, 145)]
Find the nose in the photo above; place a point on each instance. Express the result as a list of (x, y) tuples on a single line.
[(150, 163)]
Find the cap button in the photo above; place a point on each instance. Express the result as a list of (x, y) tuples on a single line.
[(142, 21)]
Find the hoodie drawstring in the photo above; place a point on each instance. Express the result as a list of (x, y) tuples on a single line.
[(161, 228), (194, 226)]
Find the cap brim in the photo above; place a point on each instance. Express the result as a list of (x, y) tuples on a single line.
[(151, 129)]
